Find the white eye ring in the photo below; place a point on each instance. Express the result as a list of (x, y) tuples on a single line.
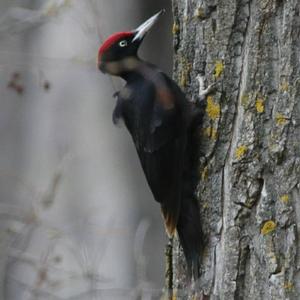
[(123, 43)]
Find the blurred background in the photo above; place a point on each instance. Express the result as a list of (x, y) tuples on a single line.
[(77, 219)]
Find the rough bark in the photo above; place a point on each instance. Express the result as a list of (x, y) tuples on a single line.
[(249, 190)]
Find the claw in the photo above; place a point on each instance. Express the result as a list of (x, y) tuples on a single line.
[(203, 92)]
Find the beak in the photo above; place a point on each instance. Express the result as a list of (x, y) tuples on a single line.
[(141, 31)]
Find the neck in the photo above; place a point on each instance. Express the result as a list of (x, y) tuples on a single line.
[(135, 68), (131, 75), (130, 68)]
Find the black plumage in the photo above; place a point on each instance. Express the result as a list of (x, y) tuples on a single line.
[(164, 127)]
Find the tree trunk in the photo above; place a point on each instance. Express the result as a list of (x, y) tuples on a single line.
[(249, 186)]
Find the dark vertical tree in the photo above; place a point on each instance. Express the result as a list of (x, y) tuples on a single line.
[(249, 187)]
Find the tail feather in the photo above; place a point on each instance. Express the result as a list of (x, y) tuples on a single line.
[(190, 235), (188, 225)]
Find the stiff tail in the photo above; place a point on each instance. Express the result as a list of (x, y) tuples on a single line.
[(188, 225), (190, 235)]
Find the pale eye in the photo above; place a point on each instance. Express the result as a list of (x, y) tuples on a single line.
[(123, 43)]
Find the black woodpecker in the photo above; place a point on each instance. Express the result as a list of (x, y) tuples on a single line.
[(163, 125)]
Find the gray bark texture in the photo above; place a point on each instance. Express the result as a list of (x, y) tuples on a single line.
[(249, 190)]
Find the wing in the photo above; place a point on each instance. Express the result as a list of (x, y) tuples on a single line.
[(156, 123), (163, 170)]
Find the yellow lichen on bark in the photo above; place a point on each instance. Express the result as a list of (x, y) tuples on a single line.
[(211, 133), (245, 99), (268, 227), (259, 105), (212, 108), (175, 28), (200, 12), (284, 86), (240, 151), (205, 205), (284, 198), (280, 119), (185, 71), (183, 79), (204, 174), (219, 67), (288, 285)]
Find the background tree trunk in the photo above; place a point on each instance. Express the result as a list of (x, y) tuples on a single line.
[(249, 178)]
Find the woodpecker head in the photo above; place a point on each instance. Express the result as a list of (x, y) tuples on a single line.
[(118, 54)]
